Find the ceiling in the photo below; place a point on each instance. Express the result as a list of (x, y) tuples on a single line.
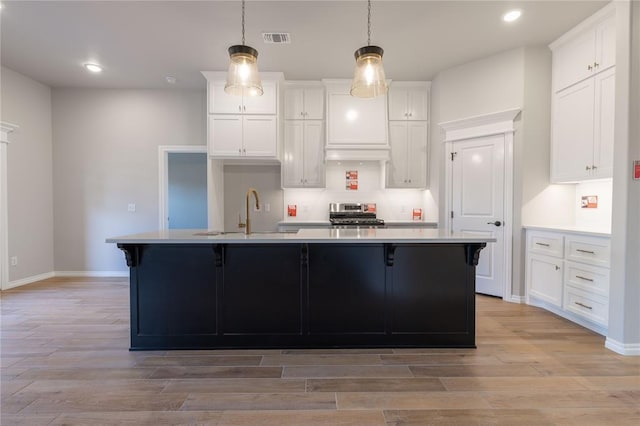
[(141, 42)]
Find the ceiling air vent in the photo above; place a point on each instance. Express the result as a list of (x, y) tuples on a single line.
[(276, 38)]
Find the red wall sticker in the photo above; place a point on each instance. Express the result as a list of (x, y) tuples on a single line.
[(636, 170), (292, 210)]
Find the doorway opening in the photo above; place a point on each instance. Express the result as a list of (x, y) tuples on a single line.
[(183, 187)]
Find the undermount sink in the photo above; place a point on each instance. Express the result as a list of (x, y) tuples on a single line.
[(215, 233)]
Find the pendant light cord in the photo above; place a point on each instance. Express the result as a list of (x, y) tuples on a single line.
[(368, 22), (243, 22)]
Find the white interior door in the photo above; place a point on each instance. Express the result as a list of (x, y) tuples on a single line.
[(478, 204)]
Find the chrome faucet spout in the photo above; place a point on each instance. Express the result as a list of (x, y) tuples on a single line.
[(247, 229)]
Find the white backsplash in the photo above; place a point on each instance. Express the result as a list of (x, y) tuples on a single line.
[(597, 219), (392, 204)]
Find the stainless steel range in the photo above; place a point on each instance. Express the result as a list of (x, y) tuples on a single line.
[(354, 215)]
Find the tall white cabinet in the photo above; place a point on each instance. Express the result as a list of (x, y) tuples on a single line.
[(303, 164), (583, 100), (408, 135)]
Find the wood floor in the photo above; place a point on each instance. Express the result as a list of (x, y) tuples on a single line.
[(65, 360)]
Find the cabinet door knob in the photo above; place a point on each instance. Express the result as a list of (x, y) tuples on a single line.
[(589, 67), (594, 167), (596, 65), (240, 150), (587, 168), (239, 108), (557, 267), (410, 114)]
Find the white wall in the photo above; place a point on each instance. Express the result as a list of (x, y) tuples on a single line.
[(491, 84), (392, 204), (27, 103), (105, 156)]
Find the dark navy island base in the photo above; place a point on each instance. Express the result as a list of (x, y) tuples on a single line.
[(302, 295)]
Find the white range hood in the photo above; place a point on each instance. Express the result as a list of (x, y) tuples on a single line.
[(357, 128)]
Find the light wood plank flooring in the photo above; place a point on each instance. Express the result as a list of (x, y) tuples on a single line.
[(65, 360)]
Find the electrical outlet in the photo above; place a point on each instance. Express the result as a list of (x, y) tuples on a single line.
[(131, 207), (14, 260), (267, 207)]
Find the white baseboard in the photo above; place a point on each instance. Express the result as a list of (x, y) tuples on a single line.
[(40, 277), (516, 299), (91, 273), (629, 349), (29, 280)]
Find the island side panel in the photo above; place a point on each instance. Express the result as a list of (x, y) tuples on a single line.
[(346, 290), (433, 295), (173, 303), (261, 289)]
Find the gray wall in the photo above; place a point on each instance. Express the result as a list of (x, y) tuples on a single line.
[(624, 315), (265, 179), (27, 103), (106, 156), (518, 78), (187, 190)]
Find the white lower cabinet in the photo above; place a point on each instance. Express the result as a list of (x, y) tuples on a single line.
[(568, 274), (545, 278)]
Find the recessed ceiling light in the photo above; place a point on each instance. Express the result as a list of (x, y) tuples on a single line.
[(93, 67), (511, 16), (170, 79)]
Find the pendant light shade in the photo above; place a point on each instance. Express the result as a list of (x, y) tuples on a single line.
[(243, 78), (368, 78)]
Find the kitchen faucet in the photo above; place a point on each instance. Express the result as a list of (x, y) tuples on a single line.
[(247, 224)]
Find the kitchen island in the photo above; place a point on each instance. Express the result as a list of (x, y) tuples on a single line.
[(314, 288)]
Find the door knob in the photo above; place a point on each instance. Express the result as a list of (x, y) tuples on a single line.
[(496, 223)]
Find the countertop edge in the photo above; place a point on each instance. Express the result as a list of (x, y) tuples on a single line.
[(567, 230)]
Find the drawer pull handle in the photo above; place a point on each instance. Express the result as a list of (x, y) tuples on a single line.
[(585, 251), (584, 278), (583, 305), (543, 244)]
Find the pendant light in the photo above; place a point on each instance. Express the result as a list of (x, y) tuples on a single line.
[(369, 79), (243, 78)]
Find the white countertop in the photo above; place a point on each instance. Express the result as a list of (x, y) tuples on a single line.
[(570, 230), (408, 223), (361, 235)]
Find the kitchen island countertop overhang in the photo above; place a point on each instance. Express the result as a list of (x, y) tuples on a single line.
[(316, 288), (329, 235)]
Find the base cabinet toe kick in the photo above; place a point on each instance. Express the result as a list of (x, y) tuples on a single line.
[(302, 295)]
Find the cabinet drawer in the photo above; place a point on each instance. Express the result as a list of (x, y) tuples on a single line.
[(591, 250), (587, 305), (588, 278), (546, 243)]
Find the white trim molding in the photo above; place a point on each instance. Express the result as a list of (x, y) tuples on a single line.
[(496, 123), (5, 129), (480, 125), (163, 176), (29, 280), (628, 349), (95, 274)]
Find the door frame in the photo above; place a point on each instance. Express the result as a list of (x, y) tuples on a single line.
[(163, 174), (5, 129), (497, 123)]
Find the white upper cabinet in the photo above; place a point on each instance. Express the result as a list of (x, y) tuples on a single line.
[(304, 102), (242, 127), (221, 102), (408, 165), (303, 165), (409, 101), (586, 50), (583, 109)]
